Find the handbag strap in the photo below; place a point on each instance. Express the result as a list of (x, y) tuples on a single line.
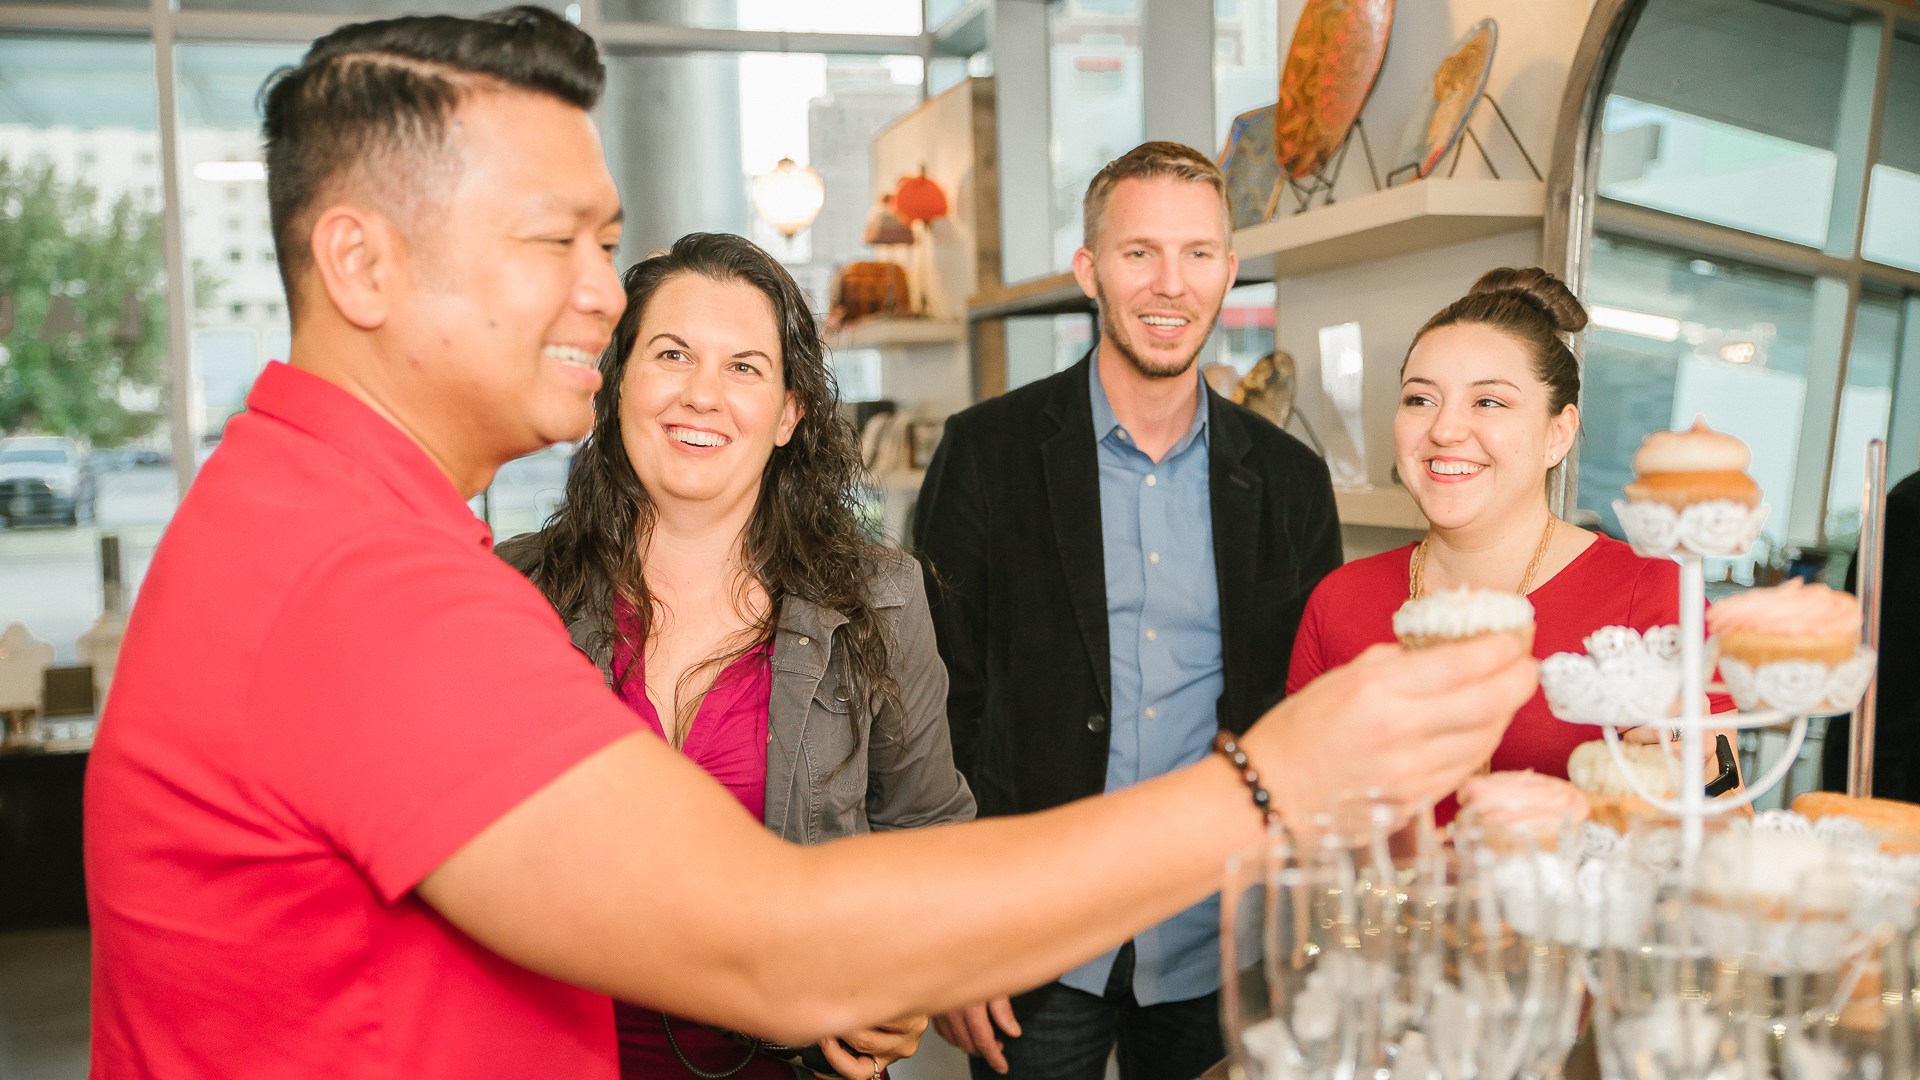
[(696, 1070)]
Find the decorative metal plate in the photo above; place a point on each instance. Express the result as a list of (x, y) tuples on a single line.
[(1252, 170), (1456, 88), (1335, 57)]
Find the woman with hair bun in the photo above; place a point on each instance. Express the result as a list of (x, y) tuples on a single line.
[(1489, 406)]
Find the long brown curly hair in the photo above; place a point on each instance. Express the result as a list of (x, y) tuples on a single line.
[(805, 538)]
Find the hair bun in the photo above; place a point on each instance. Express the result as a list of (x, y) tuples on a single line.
[(1539, 289)]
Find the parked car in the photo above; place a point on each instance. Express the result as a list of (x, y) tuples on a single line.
[(45, 478)]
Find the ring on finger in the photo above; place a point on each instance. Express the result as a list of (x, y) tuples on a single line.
[(1676, 733), (876, 1069)]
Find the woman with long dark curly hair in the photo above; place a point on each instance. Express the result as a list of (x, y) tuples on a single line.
[(710, 558)]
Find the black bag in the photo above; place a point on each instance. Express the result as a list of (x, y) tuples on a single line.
[(809, 1057)]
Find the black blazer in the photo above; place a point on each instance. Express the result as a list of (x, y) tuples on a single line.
[(1008, 528)]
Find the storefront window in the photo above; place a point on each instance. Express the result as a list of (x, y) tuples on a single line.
[(1893, 204), (1094, 65), (794, 16), (1754, 119), (1245, 331), (1866, 404), (1725, 111), (1675, 337), (365, 9), (240, 320), (939, 11), (1246, 62), (82, 323)]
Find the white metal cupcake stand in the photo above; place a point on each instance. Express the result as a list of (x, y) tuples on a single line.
[(1630, 679), (1684, 1023)]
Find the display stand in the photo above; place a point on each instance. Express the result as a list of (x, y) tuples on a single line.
[(1320, 184), (1400, 175), (1610, 685)]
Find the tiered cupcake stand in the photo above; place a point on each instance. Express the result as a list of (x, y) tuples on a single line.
[(1629, 679), (1344, 960), (1693, 977)]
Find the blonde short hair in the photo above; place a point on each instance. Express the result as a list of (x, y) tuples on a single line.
[(1147, 161)]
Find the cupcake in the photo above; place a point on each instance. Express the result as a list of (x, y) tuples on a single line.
[(1776, 870), (1611, 799), (1460, 614), (1898, 823), (1682, 468), (1523, 806), (1781, 902), (1791, 621)]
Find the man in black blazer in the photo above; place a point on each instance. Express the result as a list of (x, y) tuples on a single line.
[(1117, 559)]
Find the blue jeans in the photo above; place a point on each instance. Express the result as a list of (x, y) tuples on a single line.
[(1068, 1033)]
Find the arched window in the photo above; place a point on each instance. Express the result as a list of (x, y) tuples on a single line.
[(1743, 215)]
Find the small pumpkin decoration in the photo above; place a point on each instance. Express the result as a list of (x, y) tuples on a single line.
[(919, 199)]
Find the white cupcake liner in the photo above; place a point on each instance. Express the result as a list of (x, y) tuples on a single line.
[(1601, 893), (1798, 687), (1720, 528), (1625, 678)]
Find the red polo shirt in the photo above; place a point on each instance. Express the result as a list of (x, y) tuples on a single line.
[(329, 685)]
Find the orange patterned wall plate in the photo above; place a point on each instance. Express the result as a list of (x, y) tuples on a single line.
[(1458, 83), (1335, 56)]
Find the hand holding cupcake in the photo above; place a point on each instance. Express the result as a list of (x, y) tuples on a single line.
[(1461, 614)]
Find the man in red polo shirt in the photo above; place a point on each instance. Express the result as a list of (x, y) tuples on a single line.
[(357, 807)]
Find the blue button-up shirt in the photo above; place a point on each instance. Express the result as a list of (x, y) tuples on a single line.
[(1163, 633)]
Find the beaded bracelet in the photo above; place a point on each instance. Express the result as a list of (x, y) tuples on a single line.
[(1224, 744)]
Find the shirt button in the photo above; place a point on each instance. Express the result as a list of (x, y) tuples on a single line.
[(1152, 479), (1150, 712), (1153, 557), (1152, 636), (806, 640)]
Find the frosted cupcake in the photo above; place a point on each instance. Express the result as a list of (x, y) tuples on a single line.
[(1611, 798), (1897, 823), (1460, 614), (1792, 621), (1781, 899), (1681, 468)]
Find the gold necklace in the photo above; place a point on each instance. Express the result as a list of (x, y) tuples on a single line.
[(1417, 566)]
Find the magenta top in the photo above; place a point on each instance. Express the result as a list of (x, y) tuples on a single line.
[(728, 738)]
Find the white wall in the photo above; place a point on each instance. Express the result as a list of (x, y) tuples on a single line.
[(1391, 298)]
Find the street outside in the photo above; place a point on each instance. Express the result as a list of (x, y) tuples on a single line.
[(50, 575)]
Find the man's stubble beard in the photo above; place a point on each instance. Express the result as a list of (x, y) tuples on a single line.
[(1110, 331)]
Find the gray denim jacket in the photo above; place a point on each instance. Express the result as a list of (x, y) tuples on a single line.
[(903, 781)]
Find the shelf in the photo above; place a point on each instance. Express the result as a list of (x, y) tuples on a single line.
[(1056, 294), (1381, 507), (879, 333), (1382, 224), (1378, 225)]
